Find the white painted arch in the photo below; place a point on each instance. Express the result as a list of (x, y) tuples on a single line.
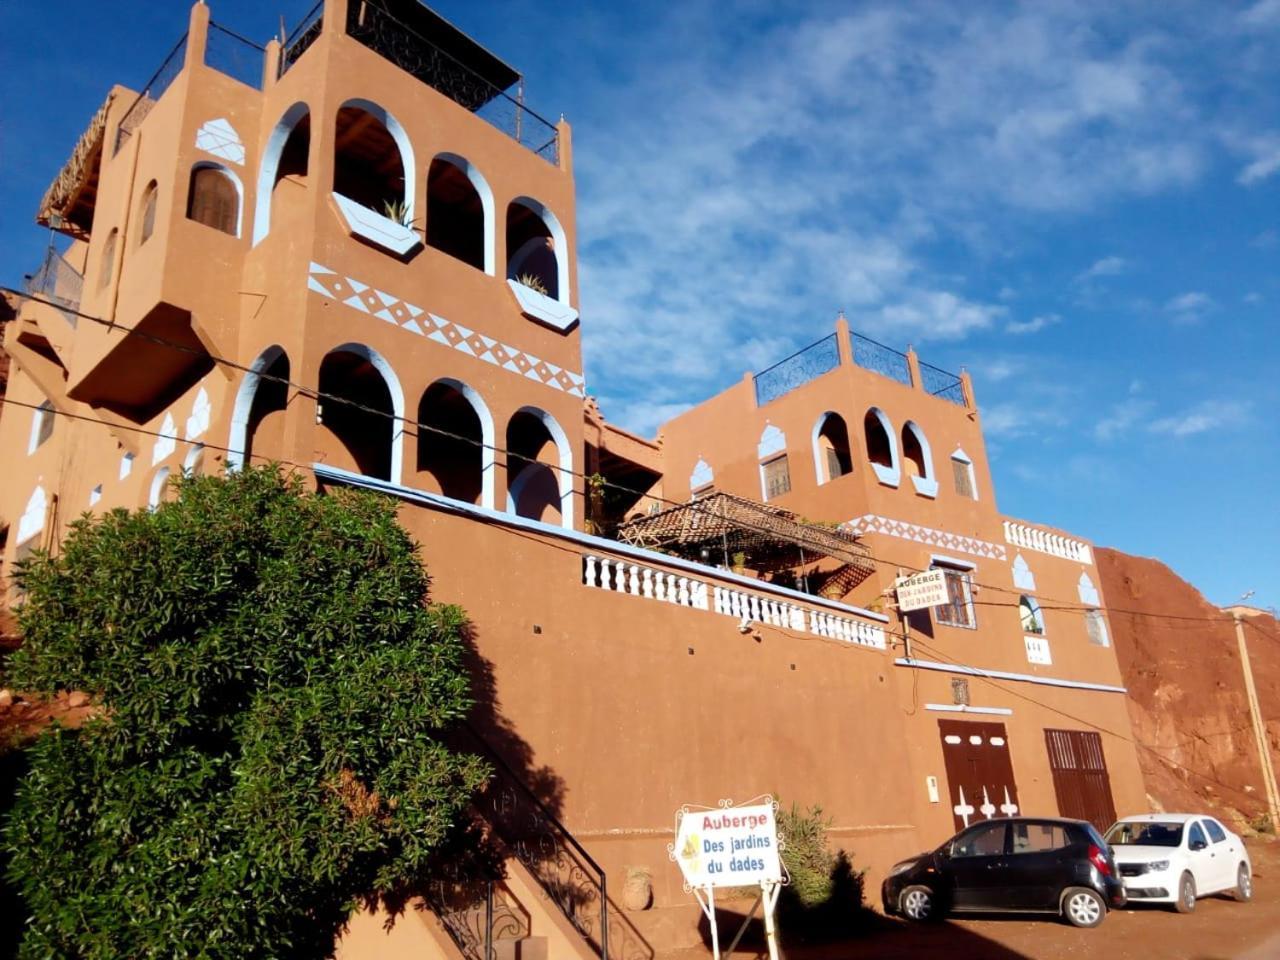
[(487, 204), (892, 474), (403, 144), (516, 484), (388, 374), (559, 239), (270, 165), (821, 473), (927, 485), (248, 389), (235, 182), (488, 465)]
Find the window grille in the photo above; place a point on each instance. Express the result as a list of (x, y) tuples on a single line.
[(777, 478), (958, 611), (1096, 627), (214, 200), (148, 214), (963, 474), (960, 690)]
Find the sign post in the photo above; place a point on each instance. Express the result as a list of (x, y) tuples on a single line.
[(927, 589), (730, 846)]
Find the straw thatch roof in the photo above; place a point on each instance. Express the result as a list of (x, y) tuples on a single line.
[(717, 526), (68, 203)]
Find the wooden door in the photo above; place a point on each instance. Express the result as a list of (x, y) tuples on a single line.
[(979, 772), (1080, 776)]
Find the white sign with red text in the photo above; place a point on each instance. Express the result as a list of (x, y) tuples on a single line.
[(729, 847)]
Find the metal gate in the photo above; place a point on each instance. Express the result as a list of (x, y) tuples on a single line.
[(979, 772), (1080, 776)]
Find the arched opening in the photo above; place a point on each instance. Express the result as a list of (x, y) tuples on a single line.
[(882, 451), (364, 434), (918, 459), (460, 212), (536, 249), (1030, 615), (193, 463), (455, 443), (257, 420), (539, 468), (159, 490), (214, 198), (108, 262), (831, 454), (370, 165), (147, 213), (284, 164)]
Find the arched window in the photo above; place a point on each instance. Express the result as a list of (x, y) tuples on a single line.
[(918, 460), (460, 212), (365, 435), (159, 490), (108, 261), (882, 451), (536, 249), (1022, 575), (1096, 627), (257, 419), (539, 468), (1030, 615), (41, 426), (193, 463), (455, 443), (962, 475), (370, 164), (214, 198), (147, 213), (284, 160), (831, 454)]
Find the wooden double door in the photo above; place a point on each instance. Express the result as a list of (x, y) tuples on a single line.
[(979, 771)]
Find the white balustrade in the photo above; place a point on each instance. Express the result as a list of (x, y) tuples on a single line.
[(1042, 541), (617, 576)]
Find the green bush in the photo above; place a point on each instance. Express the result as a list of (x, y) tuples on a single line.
[(274, 689), (824, 898)]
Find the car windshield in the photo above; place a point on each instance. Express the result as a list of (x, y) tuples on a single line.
[(1157, 833)]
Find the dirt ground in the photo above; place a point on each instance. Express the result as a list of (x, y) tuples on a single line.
[(1219, 929)]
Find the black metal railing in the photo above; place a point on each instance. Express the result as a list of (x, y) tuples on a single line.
[(876, 357), (57, 281), (940, 383), (303, 36), (568, 875), (397, 42), (237, 57), (151, 93), (796, 370)]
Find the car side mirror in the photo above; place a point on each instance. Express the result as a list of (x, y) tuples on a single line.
[(1198, 844)]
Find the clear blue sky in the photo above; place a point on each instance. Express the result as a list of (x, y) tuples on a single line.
[(1080, 203)]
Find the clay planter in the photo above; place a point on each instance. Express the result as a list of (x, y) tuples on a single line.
[(637, 892)]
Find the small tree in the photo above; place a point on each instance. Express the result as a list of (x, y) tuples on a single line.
[(273, 687)]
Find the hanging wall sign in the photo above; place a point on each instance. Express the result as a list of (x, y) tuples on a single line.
[(728, 847)]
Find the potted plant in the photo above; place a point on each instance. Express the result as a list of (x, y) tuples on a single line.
[(637, 891), (739, 562)]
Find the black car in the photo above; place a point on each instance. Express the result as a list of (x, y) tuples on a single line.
[(1021, 864)]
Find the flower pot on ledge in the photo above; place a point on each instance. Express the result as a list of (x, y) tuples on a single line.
[(542, 308), (637, 892)]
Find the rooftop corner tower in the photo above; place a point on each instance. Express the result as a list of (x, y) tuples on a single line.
[(368, 210)]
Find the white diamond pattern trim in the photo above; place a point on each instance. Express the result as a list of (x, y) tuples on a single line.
[(871, 523), (416, 320)]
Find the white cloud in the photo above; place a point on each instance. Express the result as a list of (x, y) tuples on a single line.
[(1252, 297), (1123, 416), (1106, 267), (1207, 415), (1189, 307), (932, 315), (1267, 238), (1261, 168), (1264, 13), (1034, 325)]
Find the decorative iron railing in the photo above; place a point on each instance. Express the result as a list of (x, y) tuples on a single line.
[(57, 281), (229, 53), (302, 37), (798, 369), (876, 357), (940, 383), (151, 93), (416, 55)]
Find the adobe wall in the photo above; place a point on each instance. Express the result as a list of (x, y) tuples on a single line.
[(1180, 659)]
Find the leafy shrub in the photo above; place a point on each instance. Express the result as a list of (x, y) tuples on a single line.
[(824, 899), (274, 690)]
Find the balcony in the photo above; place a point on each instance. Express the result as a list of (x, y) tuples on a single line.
[(1046, 541)]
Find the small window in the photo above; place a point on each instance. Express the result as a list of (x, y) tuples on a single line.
[(214, 200), (1039, 837), (777, 477), (1032, 618), (126, 465), (962, 472), (147, 224), (41, 426), (1215, 830), (1195, 839), (1097, 628), (108, 259), (959, 611), (984, 841)]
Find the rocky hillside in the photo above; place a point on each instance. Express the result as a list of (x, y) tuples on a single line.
[(1181, 663)]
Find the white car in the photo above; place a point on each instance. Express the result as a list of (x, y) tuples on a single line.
[(1177, 857)]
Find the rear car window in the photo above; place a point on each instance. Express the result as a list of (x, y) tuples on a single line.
[(1038, 837), (1215, 831)]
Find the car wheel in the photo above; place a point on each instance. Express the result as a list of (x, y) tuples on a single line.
[(917, 903), (1244, 884), (1083, 907), (1186, 894)]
